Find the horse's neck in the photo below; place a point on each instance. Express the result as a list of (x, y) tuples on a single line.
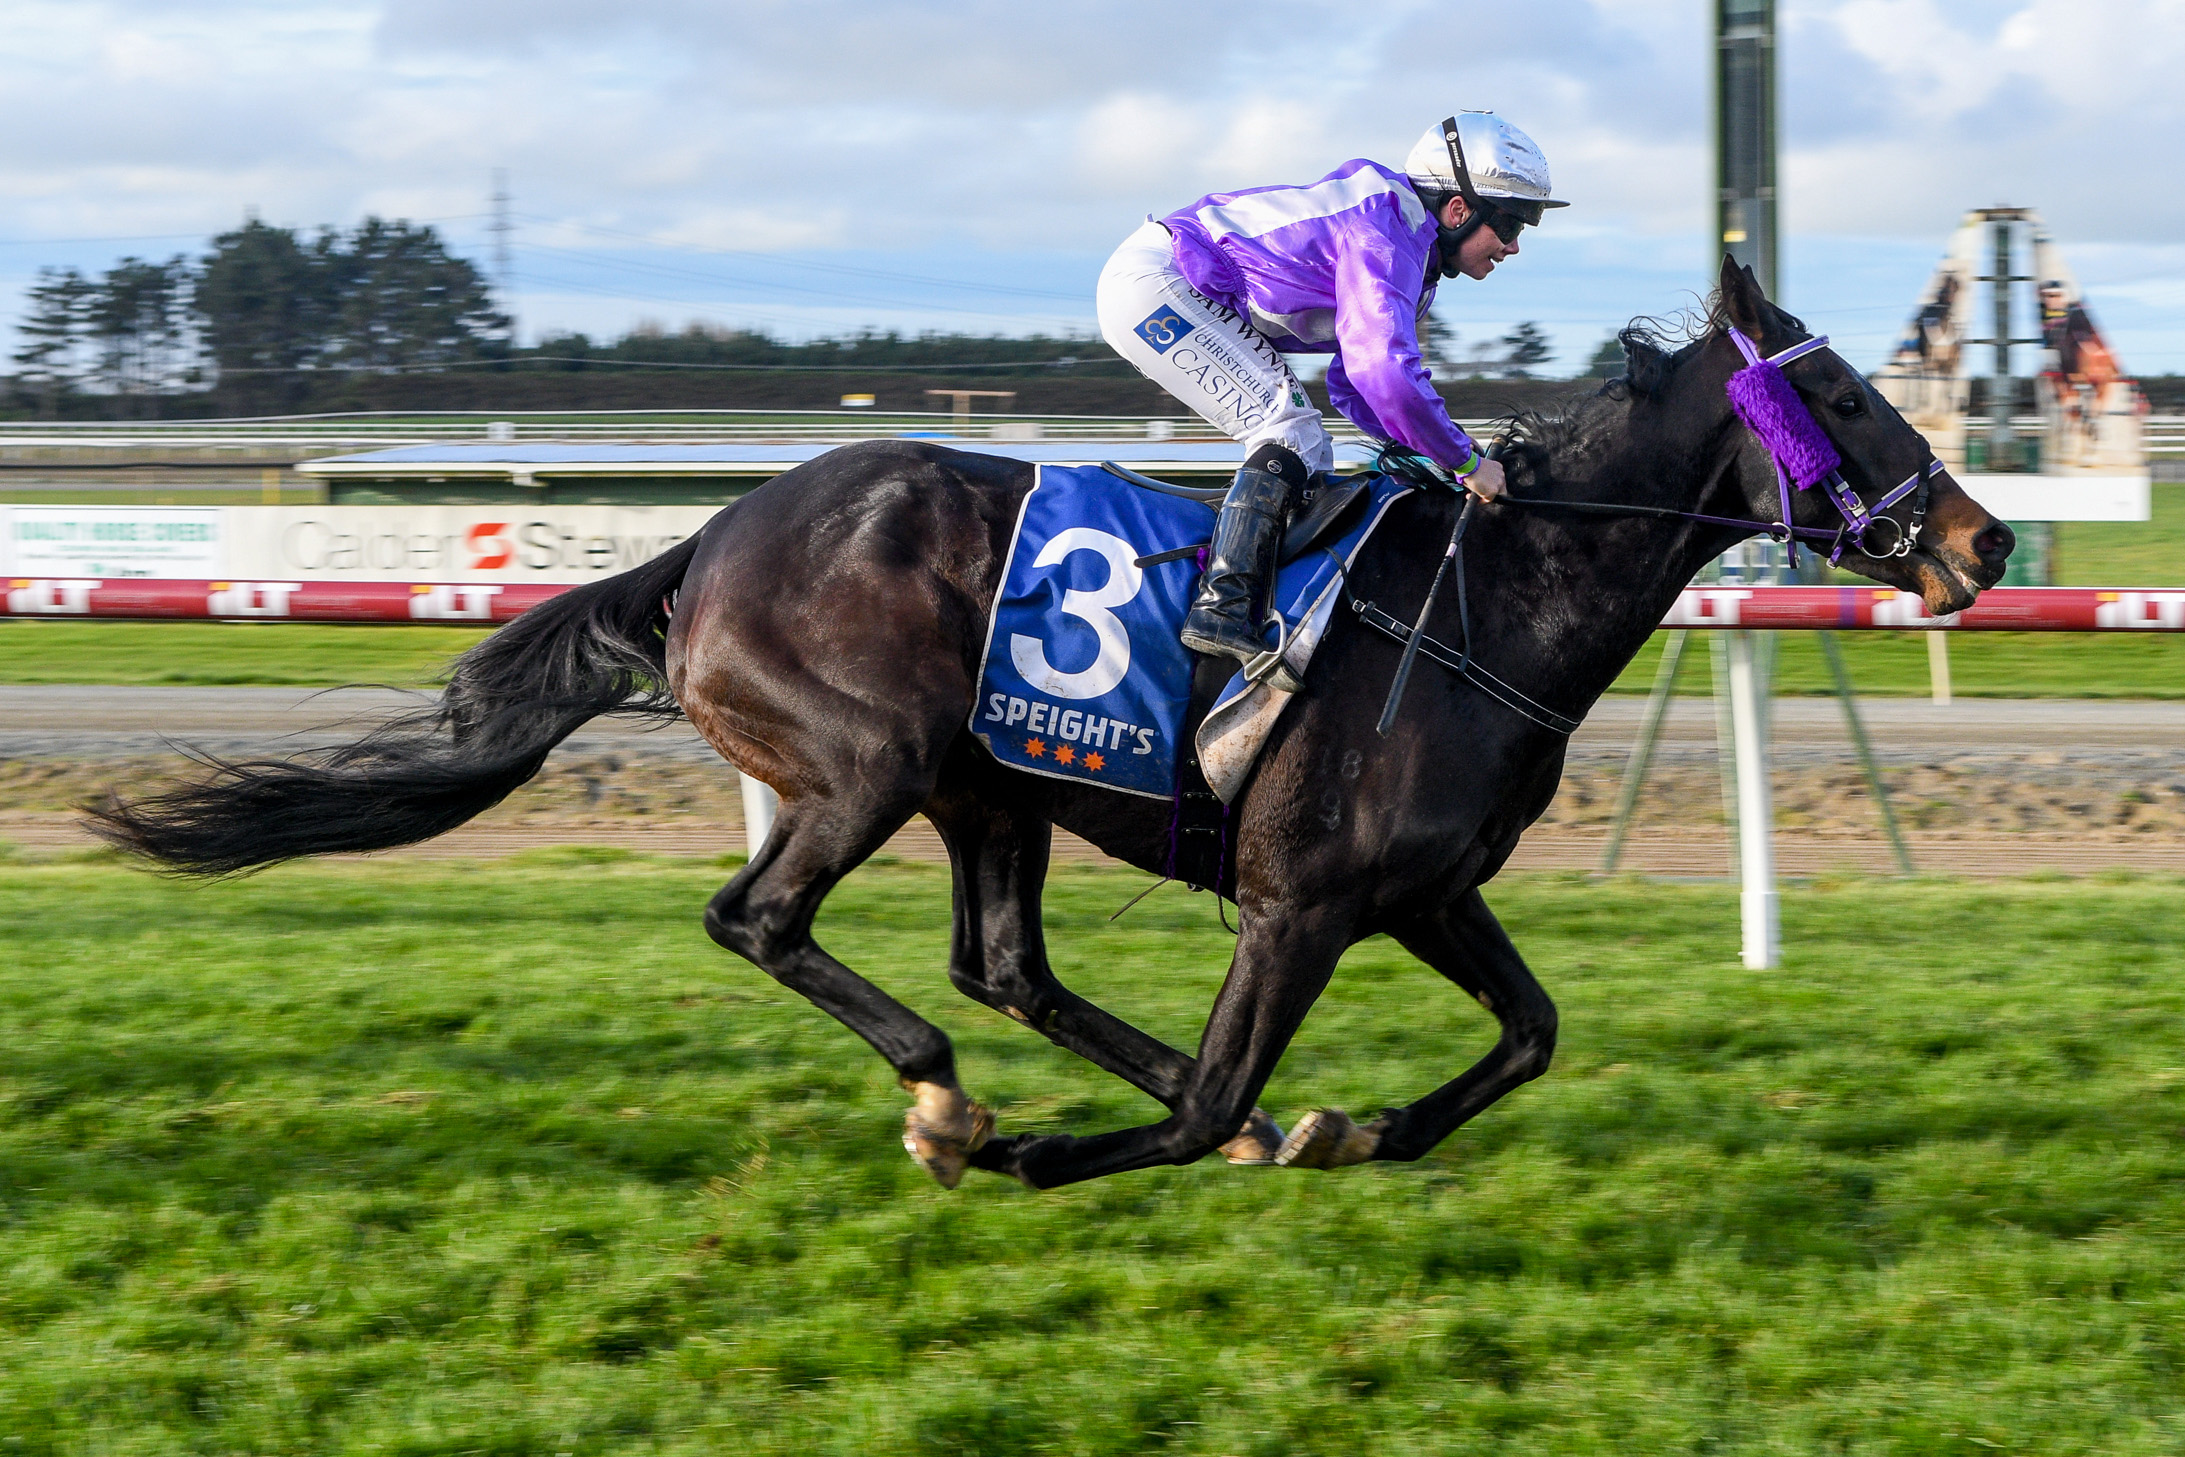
[(1604, 584)]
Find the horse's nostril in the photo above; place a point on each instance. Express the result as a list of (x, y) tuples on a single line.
[(1994, 545)]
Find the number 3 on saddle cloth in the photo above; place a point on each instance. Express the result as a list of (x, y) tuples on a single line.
[(1084, 678)]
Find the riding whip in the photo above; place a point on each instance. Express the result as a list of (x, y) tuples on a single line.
[(1418, 632)]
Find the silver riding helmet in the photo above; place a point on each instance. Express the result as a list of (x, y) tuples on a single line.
[(1483, 159)]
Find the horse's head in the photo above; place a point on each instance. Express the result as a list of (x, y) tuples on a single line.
[(1948, 554)]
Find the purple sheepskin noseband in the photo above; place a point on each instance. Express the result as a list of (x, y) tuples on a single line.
[(1798, 449), (1771, 409), (1767, 403)]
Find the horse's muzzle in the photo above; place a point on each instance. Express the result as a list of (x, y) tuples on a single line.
[(1962, 552)]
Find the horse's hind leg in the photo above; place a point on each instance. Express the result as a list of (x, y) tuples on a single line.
[(765, 915), (1464, 942), (998, 956)]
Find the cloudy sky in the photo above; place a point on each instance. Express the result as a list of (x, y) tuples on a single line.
[(808, 167)]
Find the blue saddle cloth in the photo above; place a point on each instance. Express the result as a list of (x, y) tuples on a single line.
[(1084, 678)]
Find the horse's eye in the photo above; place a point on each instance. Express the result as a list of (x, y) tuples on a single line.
[(1851, 406)]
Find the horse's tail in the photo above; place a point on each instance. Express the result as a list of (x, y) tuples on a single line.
[(600, 648)]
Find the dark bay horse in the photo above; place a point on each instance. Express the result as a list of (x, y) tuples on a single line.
[(825, 636)]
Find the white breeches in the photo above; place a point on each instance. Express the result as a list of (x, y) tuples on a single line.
[(1208, 356)]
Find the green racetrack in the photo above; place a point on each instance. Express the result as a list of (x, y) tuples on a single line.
[(450, 1158)]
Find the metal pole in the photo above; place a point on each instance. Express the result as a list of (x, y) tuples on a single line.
[(2002, 389), (1745, 135), (1642, 748), (1766, 563), (1745, 225), (504, 268), (1874, 784), (760, 802)]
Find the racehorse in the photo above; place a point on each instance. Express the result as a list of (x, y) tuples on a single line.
[(825, 634)]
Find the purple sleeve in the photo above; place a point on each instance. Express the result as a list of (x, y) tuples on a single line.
[(1350, 404), (1378, 380)]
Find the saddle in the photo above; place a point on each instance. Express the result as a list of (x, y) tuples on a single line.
[(1327, 513)]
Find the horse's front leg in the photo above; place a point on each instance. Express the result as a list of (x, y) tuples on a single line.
[(1286, 952), (1464, 942)]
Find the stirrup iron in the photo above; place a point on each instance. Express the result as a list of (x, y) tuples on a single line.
[(1263, 668)]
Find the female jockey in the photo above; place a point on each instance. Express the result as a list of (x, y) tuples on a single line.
[(1206, 301)]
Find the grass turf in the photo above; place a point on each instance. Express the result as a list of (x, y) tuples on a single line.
[(154, 654), (2148, 553), (1982, 665), (175, 654), (508, 1159)]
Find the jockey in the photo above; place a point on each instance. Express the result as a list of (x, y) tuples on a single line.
[(1206, 301)]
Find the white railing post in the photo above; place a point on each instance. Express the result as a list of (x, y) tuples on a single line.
[(1757, 906)]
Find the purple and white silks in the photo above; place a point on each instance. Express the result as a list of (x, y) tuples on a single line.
[(1334, 267)]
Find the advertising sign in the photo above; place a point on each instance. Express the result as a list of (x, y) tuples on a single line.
[(114, 541), (453, 543), (472, 544)]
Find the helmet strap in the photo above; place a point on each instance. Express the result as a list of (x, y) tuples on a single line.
[(1453, 239), (1456, 164)]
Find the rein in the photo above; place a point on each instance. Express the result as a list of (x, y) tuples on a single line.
[(1417, 644)]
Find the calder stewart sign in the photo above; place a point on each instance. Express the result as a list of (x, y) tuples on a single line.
[(497, 544)]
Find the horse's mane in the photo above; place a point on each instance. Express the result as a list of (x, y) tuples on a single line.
[(1569, 439)]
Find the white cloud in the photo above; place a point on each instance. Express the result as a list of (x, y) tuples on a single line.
[(1122, 140), (983, 128), (2069, 106), (744, 230)]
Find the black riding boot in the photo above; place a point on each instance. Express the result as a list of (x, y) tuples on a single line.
[(1225, 620)]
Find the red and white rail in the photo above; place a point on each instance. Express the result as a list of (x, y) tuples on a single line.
[(151, 599), (2001, 609)]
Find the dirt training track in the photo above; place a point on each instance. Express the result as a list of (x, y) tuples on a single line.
[(1984, 787)]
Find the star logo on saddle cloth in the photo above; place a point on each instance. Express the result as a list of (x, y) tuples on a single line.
[(1064, 754)]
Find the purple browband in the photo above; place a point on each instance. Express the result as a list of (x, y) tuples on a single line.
[(1770, 407)]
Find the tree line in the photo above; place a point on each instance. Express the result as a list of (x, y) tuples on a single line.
[(272, 320), (253, 317)]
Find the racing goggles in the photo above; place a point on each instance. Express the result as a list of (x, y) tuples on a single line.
[(1509, 216)]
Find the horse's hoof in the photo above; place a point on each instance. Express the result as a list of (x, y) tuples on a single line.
[(944, 1130), (1326, 1139), (1256, 1142)]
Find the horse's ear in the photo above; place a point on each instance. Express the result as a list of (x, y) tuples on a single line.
[(1744, 304)]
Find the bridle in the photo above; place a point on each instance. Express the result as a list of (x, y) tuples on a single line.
[(1772, 410), (1783, 433), (1797, 448)]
